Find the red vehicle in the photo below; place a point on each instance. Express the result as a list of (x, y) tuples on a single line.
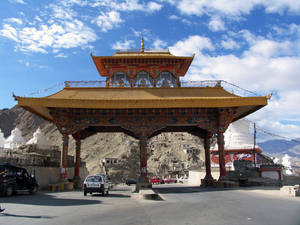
[(169, 180), (156, 180)]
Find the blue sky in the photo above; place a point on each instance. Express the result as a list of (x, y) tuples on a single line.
[(253, 44)]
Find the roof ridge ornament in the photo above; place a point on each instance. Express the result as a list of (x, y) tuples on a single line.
[(143, 45)]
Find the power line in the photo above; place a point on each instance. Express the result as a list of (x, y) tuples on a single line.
[(277, 137)]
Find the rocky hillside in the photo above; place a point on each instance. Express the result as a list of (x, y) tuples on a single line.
[(165, 154)]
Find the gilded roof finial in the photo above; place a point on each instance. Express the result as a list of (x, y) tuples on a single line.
[(143, 45)]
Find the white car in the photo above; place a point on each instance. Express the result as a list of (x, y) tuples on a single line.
[(95, 183), (183, 180)]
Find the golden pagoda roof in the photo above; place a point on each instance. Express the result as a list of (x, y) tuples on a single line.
[(98, 60), (135, 98)]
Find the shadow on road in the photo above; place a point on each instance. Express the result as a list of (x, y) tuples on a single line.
[(111, 195), (31, 217), (46, 199), (165, 189)]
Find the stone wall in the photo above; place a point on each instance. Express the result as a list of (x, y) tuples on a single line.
[(45, 158), (51, 175)]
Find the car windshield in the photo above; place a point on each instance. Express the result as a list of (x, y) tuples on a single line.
[(93, 179)]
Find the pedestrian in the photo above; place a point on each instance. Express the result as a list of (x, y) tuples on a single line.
[(1, 173)]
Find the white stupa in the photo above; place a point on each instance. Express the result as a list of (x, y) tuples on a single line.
[(2, 139), (290, 167), (239, 144), (39, 139), (237, 136), (277, 160), (15, 140)]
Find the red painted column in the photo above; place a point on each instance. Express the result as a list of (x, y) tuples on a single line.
[(143, 158), (77, 159), (208, 175), (221, 149), (64, 158)]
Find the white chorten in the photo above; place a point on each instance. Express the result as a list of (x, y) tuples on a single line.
[(277, 160), (237, 136), (15, 140), (39, 139), (290, 167), (2, 139)]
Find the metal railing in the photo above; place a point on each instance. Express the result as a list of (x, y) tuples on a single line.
[(139, 50)]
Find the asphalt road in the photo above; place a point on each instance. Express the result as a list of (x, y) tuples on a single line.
[(181, 204)]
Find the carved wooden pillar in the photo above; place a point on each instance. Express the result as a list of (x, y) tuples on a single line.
[(143, 158), (221, 150), (64, 158), (77, 159), (207, 156)]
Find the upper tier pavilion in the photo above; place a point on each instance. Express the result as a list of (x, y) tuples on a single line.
[(142, 97)]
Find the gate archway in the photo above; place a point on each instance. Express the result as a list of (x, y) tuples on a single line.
[(142, 112)]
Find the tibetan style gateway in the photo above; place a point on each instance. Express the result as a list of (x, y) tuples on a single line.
[(143, 97)]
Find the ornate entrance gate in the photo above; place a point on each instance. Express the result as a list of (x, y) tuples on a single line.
[(142, 97)]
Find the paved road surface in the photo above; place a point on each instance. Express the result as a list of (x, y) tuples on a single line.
[(181, 204)]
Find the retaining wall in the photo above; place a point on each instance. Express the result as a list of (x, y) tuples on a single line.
[(50, 175)]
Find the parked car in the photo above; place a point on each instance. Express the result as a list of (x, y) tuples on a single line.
[(130, 181), (156, 180), (183, 179), (95, 183), (111, 185), (169, 180), (16, 179)]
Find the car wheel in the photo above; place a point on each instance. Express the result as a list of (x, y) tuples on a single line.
[(84, 193), (33, 190), (9, 190), (103, 192)]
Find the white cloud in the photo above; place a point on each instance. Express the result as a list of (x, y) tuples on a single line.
[(134, 5), (14, 20), (17, 1), (37, 18), (174, 17), (186, 22), (9, 32), (193, 44), (153, 6), (136, 33), (269, 48), (62, 13), (267, 66), (61, 55), (108, 21), (229, 43), (127, 44), (216, 24), (232, 10), (66, 35), (159, 44)]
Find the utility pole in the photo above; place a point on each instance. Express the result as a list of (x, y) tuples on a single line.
[(254, 157)]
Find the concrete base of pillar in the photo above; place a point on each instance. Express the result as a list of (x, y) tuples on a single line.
[(143, 185), (226, 184), (148, 194), (77, 184), (66, 186), (207, 182)]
